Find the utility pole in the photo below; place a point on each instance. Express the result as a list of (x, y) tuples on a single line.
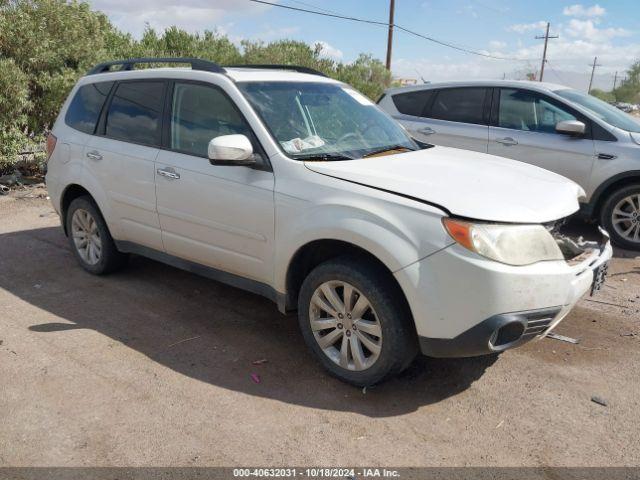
[(392, 5), (544, 52), (593, 70), (615, 80)]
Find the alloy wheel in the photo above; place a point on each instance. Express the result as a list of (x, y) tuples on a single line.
[(86, 236), (626, 218), (345, 325)]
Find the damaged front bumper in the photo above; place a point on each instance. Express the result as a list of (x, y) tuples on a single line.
[(465, 305)]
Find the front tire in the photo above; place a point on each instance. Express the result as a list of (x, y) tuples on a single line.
[(620, 216), (356, 322), (90, 240)]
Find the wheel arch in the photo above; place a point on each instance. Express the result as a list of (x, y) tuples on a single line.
[(609, 186), (69, 194), (315, 252)]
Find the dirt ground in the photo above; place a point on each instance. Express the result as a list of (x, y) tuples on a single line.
[(152, 366)]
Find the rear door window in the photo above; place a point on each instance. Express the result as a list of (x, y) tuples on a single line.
[(135, 112), (412, 103), (464, 105), (85, 108)]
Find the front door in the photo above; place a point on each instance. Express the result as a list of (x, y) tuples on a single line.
[(525, 130), (219, 216)]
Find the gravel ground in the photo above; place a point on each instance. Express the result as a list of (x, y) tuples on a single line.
[(152, 366)]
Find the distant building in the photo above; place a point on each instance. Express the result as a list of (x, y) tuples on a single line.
[(403, 82)]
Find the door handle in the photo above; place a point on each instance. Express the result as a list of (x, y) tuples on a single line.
[(507, 141), (94, 155), (606, 156), (426, 131), (169, 173)]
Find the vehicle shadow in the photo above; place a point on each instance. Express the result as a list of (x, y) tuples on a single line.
[(206, 330)]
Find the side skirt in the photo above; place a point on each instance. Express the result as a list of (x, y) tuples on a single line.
[(227, 278)]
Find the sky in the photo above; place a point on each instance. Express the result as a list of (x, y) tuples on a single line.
[(609, 30)]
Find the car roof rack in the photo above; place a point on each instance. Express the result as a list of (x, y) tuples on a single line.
[(196, 64), (294, 68)]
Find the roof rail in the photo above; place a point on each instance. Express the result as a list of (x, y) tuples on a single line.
[(295, 68), (196, 64)]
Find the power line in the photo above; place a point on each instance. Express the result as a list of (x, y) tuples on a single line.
[(385, 24)]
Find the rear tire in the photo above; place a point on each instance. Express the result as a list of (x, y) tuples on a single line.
[(620, 216), (90, 240), (361, 329)]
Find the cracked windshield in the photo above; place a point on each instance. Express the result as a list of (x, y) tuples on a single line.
[(316, 121)]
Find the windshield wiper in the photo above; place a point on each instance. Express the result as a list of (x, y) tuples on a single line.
[(387, 149), (322, 157)]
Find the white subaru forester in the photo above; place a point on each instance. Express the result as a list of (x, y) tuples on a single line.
[(295, 186)]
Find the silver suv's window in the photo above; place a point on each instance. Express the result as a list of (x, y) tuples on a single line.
[(324, 121), (464, 105), (199, 114), (84, 110), (602, 110), (135, 112), (412, 103), (523, 110)]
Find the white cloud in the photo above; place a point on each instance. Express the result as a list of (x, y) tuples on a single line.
[(587, 29), (329, 51), (497, 45), (276, 33), (527, 27), (191, 15), (582, 11)]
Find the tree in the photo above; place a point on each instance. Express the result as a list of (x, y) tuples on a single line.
[(629, 89), (602, 95), (46, 45)]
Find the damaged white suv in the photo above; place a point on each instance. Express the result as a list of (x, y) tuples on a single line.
[(296, 187)]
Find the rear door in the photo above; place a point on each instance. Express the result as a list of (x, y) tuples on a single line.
[(216, 215), (120, 158), (524, 128), (455, 117)]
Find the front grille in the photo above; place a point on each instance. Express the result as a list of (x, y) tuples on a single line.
[(537, 323)]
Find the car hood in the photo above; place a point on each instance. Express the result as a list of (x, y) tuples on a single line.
[(464, 183)]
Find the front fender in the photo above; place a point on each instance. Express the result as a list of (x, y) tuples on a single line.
[(396, 234)]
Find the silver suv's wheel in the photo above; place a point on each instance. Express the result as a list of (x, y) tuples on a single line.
[(90, 239), (345, 325), (355, 320), (86, 237), (626, 218), (620, 215)]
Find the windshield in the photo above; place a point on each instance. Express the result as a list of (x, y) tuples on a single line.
[(324, 121), (602, 110)]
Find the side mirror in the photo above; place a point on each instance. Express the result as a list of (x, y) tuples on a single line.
[(571, 127), (230, 150)]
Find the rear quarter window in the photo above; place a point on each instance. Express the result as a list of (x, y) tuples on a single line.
[(412, 103), (85, 108)]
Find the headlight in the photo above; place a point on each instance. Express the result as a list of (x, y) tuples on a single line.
[(510, 244)]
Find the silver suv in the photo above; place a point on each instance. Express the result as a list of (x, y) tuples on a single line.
[(551, 126)]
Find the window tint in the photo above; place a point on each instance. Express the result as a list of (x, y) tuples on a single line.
[(86, 105), (464, 105), (522, 110), (412, 103), (135, 112), (201, 113)]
